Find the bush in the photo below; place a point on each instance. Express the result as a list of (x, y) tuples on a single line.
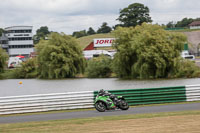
[(27, 69), (3, 59), (188, 69), (99, 67)]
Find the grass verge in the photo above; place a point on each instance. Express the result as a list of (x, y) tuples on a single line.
[(101, 124)]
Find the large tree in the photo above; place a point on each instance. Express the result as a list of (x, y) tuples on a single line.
[(147, 51), (3, 59), (134, 14), (104, 28), (59, 57)]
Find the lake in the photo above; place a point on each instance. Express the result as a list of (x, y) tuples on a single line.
[(11, 87)]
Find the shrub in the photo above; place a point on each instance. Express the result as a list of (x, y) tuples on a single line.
[(27, 69), (3, 58), (188, 69), (99, 67)]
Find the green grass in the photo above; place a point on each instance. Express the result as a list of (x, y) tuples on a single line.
[(86, 40)]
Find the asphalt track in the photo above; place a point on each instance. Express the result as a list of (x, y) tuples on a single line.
[(94, 113)]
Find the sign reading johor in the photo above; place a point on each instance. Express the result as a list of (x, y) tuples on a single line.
[(103, 42)]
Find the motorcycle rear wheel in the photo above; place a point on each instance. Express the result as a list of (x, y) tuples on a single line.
[(100, 106)]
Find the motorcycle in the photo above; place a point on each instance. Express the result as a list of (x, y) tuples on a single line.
[(107, 101)]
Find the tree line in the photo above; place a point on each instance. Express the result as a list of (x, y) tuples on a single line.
[(181, 24), (103, 29), (134, 14), (145, 51)]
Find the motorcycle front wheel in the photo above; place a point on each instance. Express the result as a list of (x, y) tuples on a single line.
[(123, 105), (100, 106)]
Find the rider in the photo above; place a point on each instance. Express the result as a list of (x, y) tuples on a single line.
[(102, 92)]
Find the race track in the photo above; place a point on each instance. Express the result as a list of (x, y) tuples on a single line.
[(94, 113)]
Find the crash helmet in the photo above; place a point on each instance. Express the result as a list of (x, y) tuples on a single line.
[(102, 91), (112, 96)]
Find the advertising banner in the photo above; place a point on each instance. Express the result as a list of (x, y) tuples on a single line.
[(103, 42)]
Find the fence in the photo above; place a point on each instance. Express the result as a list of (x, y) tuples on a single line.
[(46, 102), (193, 92), (152, 95), (80, 100)]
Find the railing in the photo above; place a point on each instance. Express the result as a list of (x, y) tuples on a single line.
[(152, 95), (46, 102), (193, 92), (80, 100), (159, 95)]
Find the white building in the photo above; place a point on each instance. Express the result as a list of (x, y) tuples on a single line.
[(19, 40)]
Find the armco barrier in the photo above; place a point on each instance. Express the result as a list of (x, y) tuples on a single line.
[(193, 92), (77, 100), (152, 95), (46, 102)]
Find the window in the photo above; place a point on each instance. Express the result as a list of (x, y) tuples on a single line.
[(20, 38), (20, 46)]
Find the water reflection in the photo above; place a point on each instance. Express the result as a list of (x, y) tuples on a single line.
[(12, 87)]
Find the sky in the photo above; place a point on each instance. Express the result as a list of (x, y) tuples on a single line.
[(74, 15)]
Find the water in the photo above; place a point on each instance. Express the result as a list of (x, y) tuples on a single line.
[(12, 87)]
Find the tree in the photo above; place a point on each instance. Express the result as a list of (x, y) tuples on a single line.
[(99, 67), (79, 34), (59, 57), (1, 31), (91, 31), (171, 24), (104, 28), (41, 33), (184, 22), (3, 59), (134, 14), (147, 51)]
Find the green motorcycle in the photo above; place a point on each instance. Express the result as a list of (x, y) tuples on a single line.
[(107, 101)]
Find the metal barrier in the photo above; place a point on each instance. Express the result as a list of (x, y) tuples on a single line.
[(151, 95), (46, 102), (80, 100), (193, 92)]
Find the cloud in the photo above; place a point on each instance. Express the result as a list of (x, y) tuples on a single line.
[(74, 15)]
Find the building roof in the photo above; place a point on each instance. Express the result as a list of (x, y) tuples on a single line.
[(90, 46), (18, 28), (195, 23)]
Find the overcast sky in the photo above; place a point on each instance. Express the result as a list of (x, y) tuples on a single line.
[(74, 15)]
